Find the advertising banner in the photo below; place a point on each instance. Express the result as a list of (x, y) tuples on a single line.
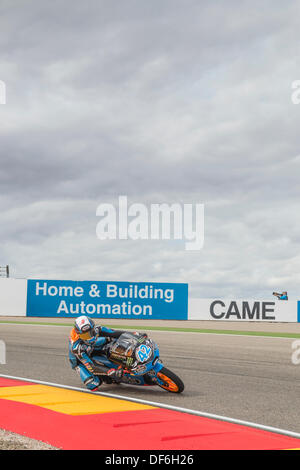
[(243, 310), (142, 300)]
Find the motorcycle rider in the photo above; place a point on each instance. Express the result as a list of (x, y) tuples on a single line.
[(85, 339)]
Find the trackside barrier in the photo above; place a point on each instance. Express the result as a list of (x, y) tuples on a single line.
[(244, 310), (135, 300), (13, 297)]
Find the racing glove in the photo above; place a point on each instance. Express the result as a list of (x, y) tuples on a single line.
[(115, 374), (137, 333), (84, 348)]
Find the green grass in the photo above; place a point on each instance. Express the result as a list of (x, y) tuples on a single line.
[(166, 328)]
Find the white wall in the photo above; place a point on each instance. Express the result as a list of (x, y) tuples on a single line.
[(13, 300), (243, 310), (13, 297)]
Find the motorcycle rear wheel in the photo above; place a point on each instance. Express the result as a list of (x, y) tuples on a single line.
[(171, 382)]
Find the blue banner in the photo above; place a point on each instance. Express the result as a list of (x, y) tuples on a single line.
[(142, 300)]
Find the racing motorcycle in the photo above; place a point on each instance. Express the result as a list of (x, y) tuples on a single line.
[(139, 357)]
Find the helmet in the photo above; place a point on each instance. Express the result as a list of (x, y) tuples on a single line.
[(84, 327)]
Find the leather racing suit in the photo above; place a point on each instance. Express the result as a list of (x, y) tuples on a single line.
[(81, 356)]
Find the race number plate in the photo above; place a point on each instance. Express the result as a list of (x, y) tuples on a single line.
[(143, 353)]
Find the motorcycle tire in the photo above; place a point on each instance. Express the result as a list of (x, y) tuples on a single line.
[(171, 382)]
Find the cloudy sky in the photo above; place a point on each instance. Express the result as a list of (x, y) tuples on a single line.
[(170, 101)]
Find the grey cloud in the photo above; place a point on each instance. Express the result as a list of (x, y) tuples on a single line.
[(163, 102)]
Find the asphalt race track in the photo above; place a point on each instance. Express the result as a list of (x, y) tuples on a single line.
[(243, 377)]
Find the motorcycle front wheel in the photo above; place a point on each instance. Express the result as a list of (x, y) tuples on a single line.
[(171, 382)]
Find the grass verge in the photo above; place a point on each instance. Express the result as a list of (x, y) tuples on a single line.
[(166, 328)]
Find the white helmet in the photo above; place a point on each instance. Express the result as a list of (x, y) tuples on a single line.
[(84, 327)]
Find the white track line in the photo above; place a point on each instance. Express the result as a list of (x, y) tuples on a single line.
[(168, 407)]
